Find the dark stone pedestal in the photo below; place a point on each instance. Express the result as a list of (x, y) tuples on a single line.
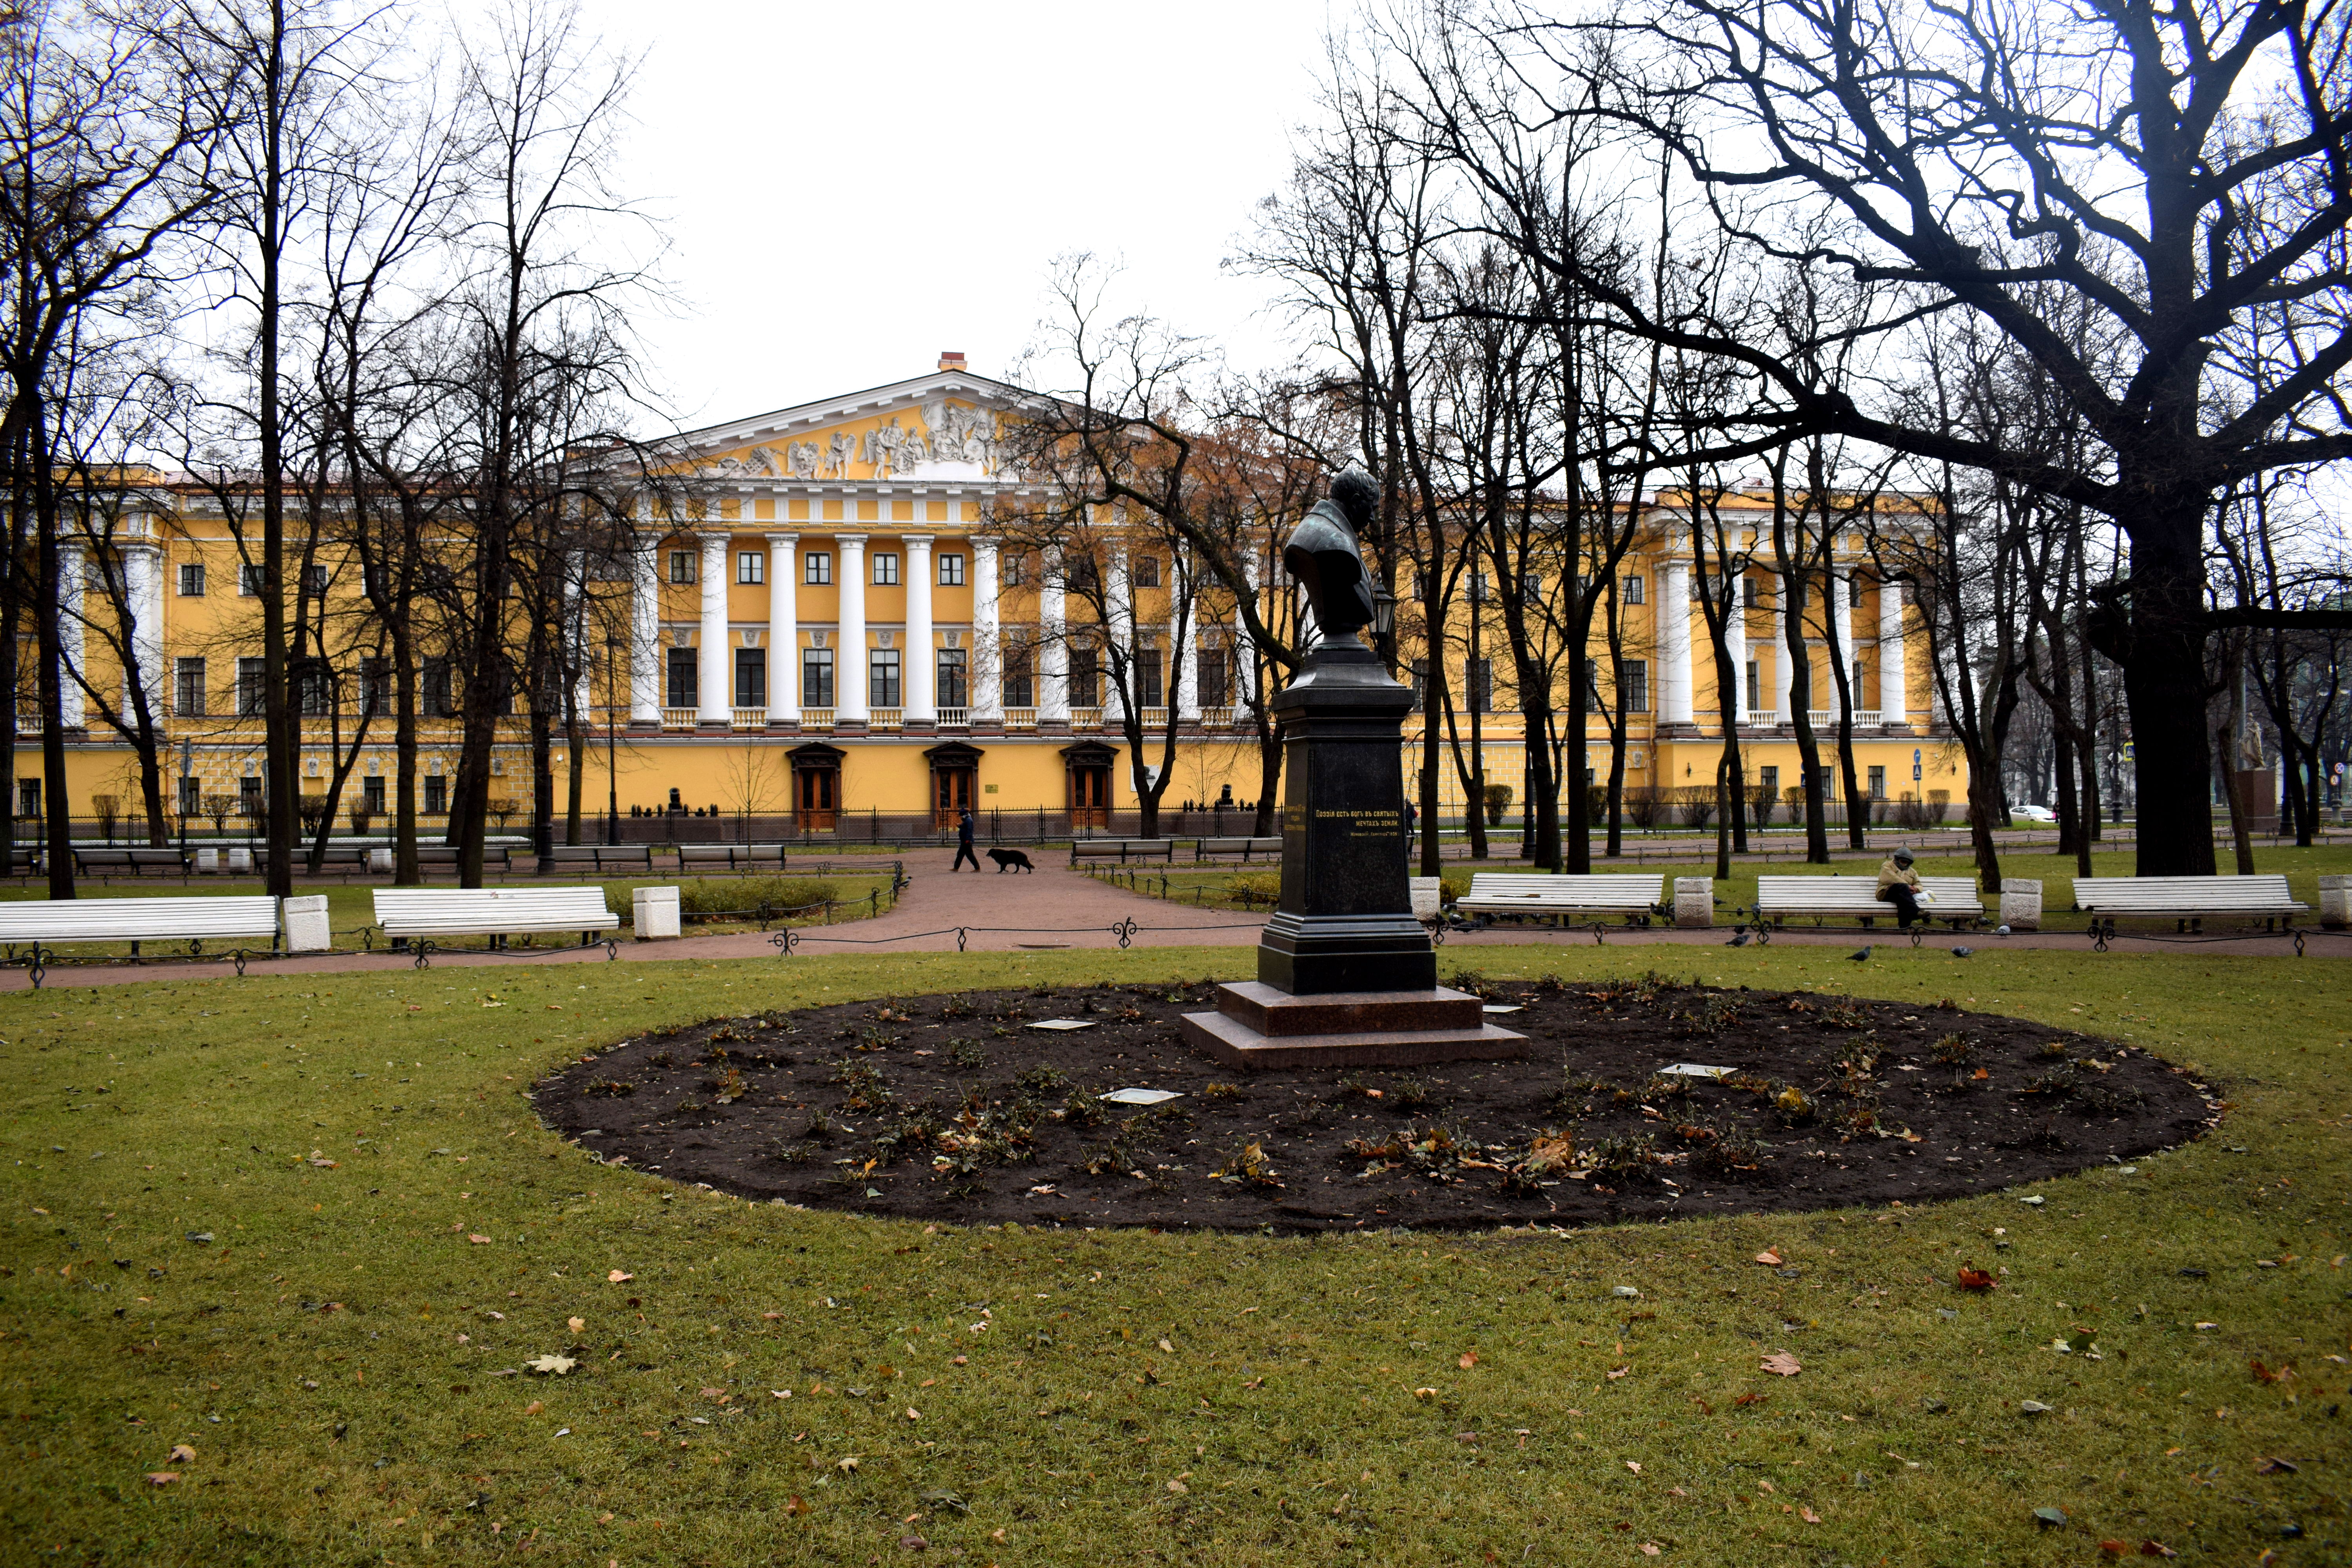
[(1344, 972), (1256, 1026)]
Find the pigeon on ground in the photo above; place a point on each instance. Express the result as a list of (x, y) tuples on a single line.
[(1859, 955), (1739, 939), (2001, 931), (1962, 952)]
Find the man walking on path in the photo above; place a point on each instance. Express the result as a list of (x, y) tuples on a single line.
[(963, 843)]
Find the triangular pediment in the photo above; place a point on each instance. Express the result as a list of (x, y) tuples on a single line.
[(946, 426)]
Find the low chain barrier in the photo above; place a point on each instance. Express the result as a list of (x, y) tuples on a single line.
[(792, 939)]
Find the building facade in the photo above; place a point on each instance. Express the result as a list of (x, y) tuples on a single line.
[(825, 637)]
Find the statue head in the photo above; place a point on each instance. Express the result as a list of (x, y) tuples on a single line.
[(1359, 496)]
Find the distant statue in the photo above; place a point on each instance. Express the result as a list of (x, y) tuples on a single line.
[(1323, 555)]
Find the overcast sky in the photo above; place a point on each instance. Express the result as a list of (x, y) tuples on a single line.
[(848, 193)]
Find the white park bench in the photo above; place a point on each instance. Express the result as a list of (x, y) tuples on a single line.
[(1630, 897), (1951, 899), (2186, 900), (415, 916), (42, 925), (731, 857)]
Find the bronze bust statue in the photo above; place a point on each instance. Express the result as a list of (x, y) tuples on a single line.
[(1323, 555)]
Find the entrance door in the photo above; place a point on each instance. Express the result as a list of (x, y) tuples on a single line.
[(950, 794), (816, 798), (1089, 796)]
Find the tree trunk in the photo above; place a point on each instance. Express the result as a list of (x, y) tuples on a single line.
[(2163, 687), (404, 869)]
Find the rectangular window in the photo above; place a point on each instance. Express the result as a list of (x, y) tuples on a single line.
[(684, 680), (248, 581), (882, 683), (1769, 778), (1214, 676), (819, 568), (248, 795), (192, 579), (251, 673), (1081, 576), (1747, 593), (1634, 685), (1086, 678), (192, 795), (950, 571), (1147, 574), (817, 677), (886, 569), (1854, 591), (376, 685), (372, 794), (1016, 570), (1755, 688), (29, 797), (1482, 686), (681, 565), (751, 677), (1477, 587), (440, 701), (1019, 676), (314, 686), (954, 689), (437, 795), (188, 688), (314, 581), (1150, 690), (1633, 590), (750, 566), (1878, 783)]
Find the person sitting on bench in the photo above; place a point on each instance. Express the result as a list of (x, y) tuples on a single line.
[(1899, 885)]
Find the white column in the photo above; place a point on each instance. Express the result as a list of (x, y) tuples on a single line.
[(1893, 691), (1053, 666), (922, 661), (1119, 599), (1183, 681), (575, 585), (1671, 615), (645, 626), (784, 628), (143, 587), (1841, 592), (717, 706), (987, 652), (69, 591), (849, 675), (1735, 637), (1784, 663)]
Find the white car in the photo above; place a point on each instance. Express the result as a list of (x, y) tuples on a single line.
[(2038, 813)]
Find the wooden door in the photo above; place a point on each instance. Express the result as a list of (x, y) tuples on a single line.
[(816, 801), (951, 796), (1090, 798)]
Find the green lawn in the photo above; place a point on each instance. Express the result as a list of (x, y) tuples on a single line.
[(390, 1228)]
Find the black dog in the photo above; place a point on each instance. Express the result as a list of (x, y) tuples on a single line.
[(1011, 858)]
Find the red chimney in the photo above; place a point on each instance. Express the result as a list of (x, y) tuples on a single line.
[(951, 360)]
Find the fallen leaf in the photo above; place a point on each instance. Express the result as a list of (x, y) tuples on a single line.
[(1974, 1279), (1782, 1365), (577, 1324), (849, 1464), (161, 1478), (1648, 1550), (2035, 1408), (1468, 1360), (2114, 1548), (1619, 1372), (1424, 1394), (479, 1240), (2267, 1374), (1179, 1488), (181, 1454), (534, 1407), (619, 1277), (714, 1393), (1766, 1486), (2156, 1549), (796, 1507), (1634, 1465), (1769, 1258), (1751, 1399), (1809, 1516), (2048, 1518), (555, 1365), (2270, 1467)]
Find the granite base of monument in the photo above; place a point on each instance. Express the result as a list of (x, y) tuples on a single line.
[(1257, 1026)]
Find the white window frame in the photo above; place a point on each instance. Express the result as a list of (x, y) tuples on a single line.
[(817, 571), (750, 567), (886, 568), (682, 568), (950, 569)]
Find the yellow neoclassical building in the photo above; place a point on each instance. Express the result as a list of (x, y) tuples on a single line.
[(827, 638)]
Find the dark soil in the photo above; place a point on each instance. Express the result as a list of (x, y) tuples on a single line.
[(957, 1107)]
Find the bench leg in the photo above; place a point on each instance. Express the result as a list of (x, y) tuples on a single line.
[(423, 949), (240, 961), (34, 967)]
